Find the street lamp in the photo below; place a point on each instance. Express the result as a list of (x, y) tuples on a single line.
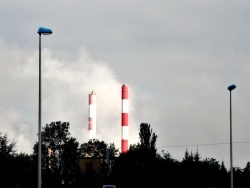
[(41, 31), (230, 88)]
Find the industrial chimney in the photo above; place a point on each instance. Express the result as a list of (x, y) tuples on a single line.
[(124, 119), (92, 115)]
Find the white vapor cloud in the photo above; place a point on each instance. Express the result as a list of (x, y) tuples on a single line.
[(65, 90)]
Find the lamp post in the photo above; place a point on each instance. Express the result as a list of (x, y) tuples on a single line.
[(41, 31), (230, 88)]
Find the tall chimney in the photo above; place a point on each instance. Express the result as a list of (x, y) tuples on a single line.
[(92, 115), (124, 121)]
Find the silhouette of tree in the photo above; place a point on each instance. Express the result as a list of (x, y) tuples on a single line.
[(197, 156), (238, 177), (211, 171), (7, 154), (138, 166), (147, 140), (59, 153), (24, 170), (246, 175), (224, 180), (95, 148)]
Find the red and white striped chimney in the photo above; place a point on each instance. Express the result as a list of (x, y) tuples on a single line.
[(92, 115), (124, 121)]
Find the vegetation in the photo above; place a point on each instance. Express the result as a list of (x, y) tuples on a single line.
[(140, 166), (59, 154), (15, 169)]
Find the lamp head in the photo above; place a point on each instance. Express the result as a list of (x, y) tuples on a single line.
[(44, 31), (231, 87)]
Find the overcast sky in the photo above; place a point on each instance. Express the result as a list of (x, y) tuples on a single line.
[(177, 58)]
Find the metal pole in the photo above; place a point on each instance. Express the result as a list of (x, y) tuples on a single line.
[(39, 121), (231, 146)]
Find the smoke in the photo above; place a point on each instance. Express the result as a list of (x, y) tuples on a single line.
[(66, 84)]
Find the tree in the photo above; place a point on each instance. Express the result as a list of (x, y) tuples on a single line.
[(7, 149), (99, 149), (7, 154), (147, 140), (197, 156), (24, 170), (188, 158), (138, 166), (145, 151), (95, 148), (224, 179), (70, 153), (59, 152), (246, 174), (211, 171), (167, 157)]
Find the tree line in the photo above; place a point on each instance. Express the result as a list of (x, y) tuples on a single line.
[(140, 166)]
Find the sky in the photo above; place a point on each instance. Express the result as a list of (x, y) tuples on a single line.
[(176, 57)]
